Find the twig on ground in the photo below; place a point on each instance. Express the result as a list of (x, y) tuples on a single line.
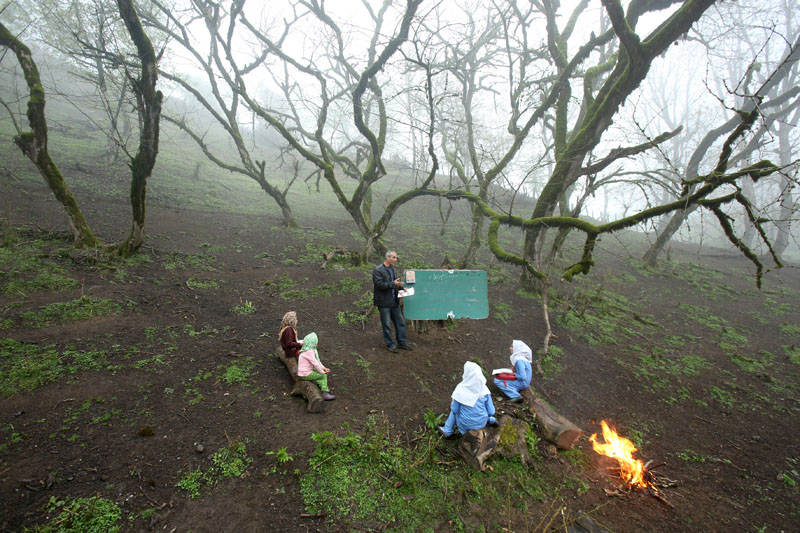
[(63, 401)]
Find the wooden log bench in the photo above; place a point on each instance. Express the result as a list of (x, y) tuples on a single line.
[(506, 439), (304, 388), (555, 428)]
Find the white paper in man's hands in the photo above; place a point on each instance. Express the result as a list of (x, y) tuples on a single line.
[(406, 292)]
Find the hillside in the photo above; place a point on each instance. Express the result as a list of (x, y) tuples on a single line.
[(690, 361)]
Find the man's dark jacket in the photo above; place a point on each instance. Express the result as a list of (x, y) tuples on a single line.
[(383, 287)]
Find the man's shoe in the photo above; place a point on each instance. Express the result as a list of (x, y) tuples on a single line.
[(441, 430), (392, 349), (518, 399), (405, 347), (327, 396)]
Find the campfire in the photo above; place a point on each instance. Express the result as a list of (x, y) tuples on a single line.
[(635, 474)]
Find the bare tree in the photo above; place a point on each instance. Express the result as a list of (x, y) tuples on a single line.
[(773, 90), (34, 143), (221, 99), (86, 35), (327, 104)]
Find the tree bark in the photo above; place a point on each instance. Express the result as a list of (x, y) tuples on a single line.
[(149, 109), (555, 428), (34, 143)]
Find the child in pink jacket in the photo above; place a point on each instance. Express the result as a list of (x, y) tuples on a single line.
[(310, 368)]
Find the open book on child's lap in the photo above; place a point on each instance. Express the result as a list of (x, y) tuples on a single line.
[(505, 374)]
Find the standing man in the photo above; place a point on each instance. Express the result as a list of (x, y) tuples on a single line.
[(386, 285)]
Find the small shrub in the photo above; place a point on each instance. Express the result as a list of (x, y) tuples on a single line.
[(232, 460), (246, 308), (192, 482), (82, 515), (432, 419)]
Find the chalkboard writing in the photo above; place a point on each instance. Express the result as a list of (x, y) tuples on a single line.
[(441, 294)]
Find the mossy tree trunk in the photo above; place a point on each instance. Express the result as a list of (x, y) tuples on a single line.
[(632, 65), (34, 143), (149, 109)]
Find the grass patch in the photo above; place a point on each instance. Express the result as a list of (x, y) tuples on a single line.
[(26, 366), (502, 312), (44, 281), (792, 353), (82, 515), (245, 308), (230, 461), (202, 284), (238, 371), (602, 317), (373, 481), (82, 308), (181, 261)]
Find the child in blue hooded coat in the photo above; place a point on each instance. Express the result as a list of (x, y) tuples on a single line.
[(471, 406), (521, 361)]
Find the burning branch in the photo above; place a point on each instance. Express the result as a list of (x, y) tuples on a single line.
[(635, 474)]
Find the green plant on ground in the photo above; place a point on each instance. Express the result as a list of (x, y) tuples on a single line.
[(26, 366), (180, 261), (790, 330), (188, 329), (502, 312), (239, 371), (703, 315), (246, 308), (192, 481), (285, 283), (532, 440), (416, 264), (282, 455), (772, 306), (44, 281), (603, 317), (549, 362), (373, 481), (230, 461), (82, 515), (363, 364), (62, 312), (432, 419), (793, 353), (344, 318), (202, 284), (690, 456), (723, 396), (6, 323)]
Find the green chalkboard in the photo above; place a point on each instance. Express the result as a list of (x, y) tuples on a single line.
[(441, 294)]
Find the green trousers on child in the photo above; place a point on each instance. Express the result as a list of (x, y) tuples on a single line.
[(320, 379)]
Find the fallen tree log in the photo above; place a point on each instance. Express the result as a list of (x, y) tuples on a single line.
[(555, 428), (306, 389), (476, 445), (351, 257), (506, 439)]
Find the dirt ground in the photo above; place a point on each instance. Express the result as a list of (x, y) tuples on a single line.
[(732, 463)]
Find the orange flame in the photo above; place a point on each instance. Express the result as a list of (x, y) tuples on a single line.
[(621, 449)]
